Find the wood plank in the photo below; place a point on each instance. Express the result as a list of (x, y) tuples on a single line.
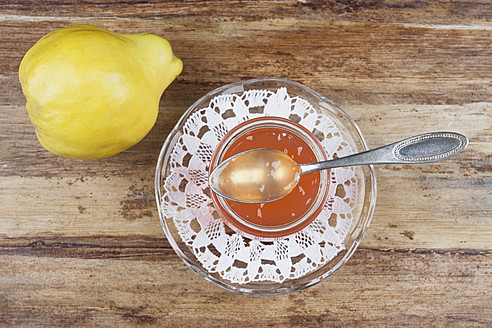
[(374, 289), (426, 11), (128, 247), (445, 203), (450, 203), (79, 206), (363, 63)]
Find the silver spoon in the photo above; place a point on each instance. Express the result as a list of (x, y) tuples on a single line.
[(264, 175)]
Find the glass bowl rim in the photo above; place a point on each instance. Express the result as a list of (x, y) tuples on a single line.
[(202, 272)]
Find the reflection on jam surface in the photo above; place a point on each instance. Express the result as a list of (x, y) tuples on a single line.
[(298, 202)]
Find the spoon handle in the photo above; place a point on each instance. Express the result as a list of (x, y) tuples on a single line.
[(424, 148)]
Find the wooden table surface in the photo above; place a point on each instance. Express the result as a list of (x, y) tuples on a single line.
[(81, 243)]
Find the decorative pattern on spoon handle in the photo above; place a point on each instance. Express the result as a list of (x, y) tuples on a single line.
[(430, 147)]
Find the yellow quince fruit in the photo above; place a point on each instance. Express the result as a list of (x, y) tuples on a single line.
[(92, 93)]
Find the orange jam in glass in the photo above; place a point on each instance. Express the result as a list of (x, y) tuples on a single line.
[(287, 209), (261, 221)]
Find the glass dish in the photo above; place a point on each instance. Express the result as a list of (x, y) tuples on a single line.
[(361, 212)]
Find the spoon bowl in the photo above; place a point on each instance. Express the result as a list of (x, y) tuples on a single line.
[(256, 176)]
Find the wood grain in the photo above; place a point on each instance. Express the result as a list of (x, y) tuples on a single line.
[(376, 287), (427, 11), (81, 243)]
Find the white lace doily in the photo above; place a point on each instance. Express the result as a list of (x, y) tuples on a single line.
[(187, 203)]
